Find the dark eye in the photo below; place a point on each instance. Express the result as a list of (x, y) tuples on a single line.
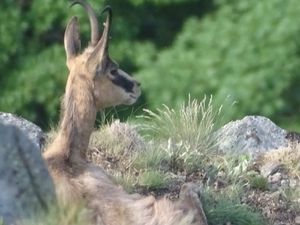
[(114, 72)]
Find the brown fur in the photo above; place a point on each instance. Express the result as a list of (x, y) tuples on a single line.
[(88, 91)]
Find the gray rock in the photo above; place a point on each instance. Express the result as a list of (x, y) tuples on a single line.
[(25, 183), (270, 168), (252, 135), (34, 133), (275, 178)]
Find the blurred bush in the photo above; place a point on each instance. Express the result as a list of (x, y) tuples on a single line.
[(32, 59), (246, 49)]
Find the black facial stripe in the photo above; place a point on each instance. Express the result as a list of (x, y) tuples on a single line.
[(123, 82)]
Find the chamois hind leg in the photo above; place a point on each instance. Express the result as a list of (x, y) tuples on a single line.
[(190, 201)]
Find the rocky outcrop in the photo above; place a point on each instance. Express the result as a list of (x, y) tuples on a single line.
[(275, 156), (25, 183), (252, 135), (34, 133)]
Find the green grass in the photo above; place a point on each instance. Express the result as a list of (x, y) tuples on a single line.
[(74, 214), (186, 134), (257, 181), (292, 195), (153, 180), (151, 158), (223, 208)]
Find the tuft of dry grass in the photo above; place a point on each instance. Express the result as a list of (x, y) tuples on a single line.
[(187, 134), (119, 143), (288, 156), (118, 138)]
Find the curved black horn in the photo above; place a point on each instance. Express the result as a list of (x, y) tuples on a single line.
[(101, 49), (93, 20)]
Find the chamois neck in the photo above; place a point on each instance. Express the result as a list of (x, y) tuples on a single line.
[(79, 114)]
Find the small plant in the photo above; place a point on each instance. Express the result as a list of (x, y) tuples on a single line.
[(234, 166), (186, 135), (257, 181), (224, 208), (152, 179), (289, 156), (116, 142), (152, 158), (292, 195)]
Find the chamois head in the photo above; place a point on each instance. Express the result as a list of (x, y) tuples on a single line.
[(111, 85)]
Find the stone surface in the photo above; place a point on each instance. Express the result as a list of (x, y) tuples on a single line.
[(252, 135), (25, 183), (270, 168), (34, 133), (275, 178)]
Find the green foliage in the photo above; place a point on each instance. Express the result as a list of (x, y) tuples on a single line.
[(158, 2), (246, 49), (74, 214), (257, 181), (12, 27), (151, 158), (292, 194), (223, 208), (31, 42), (235, 166), (40, 86), (152, 179)]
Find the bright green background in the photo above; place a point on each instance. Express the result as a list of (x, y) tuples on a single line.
[(242, 51)]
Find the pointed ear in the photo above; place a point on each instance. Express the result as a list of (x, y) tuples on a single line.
[(72, 39), (100, 53)]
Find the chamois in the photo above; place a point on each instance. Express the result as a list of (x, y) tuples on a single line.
[(95, 82)]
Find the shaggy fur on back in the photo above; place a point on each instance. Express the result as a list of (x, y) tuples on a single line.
[(109, 204)]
